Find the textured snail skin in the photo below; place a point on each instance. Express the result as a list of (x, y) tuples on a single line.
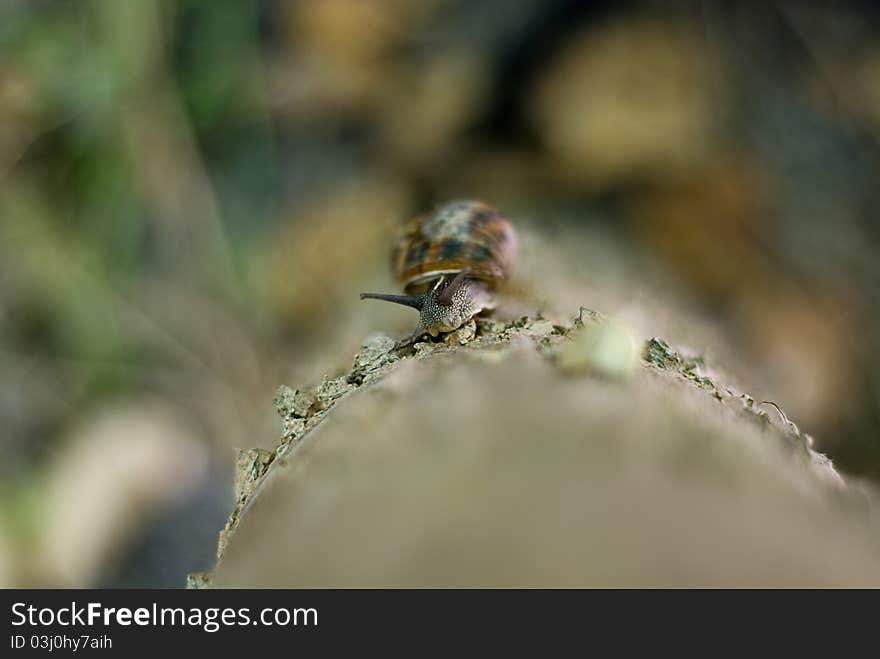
[(469, 299), (450, 261)]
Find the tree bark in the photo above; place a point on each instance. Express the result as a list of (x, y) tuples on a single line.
[(532, 454)]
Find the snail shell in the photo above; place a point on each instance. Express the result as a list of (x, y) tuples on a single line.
[(460, 236), (450, 262)]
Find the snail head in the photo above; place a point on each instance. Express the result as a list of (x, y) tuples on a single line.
[(444, 307)]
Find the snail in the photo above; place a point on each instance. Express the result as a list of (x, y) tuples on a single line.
[(450, 262)]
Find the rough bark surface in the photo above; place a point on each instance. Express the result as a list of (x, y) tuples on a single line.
[(529, 453)]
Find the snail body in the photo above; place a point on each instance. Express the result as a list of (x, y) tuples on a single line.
[(450, 263)]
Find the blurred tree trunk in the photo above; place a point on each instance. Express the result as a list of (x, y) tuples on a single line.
[(541, 455)]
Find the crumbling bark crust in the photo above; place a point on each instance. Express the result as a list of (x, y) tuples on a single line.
[(580, 394)]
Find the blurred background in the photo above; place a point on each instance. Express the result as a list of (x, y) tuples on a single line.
[(192, 193)]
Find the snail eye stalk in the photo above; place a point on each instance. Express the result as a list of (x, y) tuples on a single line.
[(414, 301), (445, 296)]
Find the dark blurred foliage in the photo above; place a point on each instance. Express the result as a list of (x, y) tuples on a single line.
[(191, 192)]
